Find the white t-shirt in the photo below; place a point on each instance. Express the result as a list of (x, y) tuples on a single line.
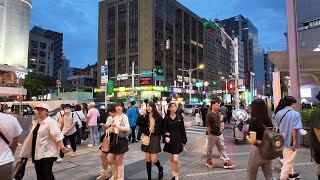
[(10, 128), (122, 122), (68, 120)]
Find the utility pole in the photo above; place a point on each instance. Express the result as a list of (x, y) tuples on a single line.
[(132, 79)]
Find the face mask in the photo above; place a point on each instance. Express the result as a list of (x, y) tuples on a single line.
[(67, 110)]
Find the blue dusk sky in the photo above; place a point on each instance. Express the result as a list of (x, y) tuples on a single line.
[(78, 21)]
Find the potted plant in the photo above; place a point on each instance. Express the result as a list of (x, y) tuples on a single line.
[(305, 117)]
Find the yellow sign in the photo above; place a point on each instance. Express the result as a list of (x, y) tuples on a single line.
[(122, 89)]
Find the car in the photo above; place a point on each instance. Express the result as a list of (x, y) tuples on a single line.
[(26, 108), (190, 109)]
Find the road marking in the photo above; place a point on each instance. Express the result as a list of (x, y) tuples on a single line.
[(216, 172), (301, 164)]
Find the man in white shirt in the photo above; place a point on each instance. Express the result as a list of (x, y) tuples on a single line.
[(69, 130), (10, 131), (165, 109)]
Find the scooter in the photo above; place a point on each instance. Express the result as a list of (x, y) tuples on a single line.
[(240, 126)]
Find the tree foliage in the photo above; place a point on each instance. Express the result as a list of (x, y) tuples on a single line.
[(38, 84)]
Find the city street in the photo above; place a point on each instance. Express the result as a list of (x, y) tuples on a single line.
[(87, 164)]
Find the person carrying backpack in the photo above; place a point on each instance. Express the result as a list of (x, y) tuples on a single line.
[(289, 123), (259, 120)]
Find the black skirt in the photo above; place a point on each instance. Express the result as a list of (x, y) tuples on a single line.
[(154, 147), (173, 147), (118, 145)]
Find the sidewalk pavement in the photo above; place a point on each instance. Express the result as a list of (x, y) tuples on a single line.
[(87, 164)]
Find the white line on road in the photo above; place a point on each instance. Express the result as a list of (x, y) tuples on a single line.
[(216, 172), (236, 170)]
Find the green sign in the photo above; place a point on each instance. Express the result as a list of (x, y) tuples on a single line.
[(110, 87), (199, 84), (146, 73)]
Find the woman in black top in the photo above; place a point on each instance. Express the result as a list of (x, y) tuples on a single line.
[(151, 125), (176, 138), (259, 120)]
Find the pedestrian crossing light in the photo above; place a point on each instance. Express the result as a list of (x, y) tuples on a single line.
[(211, 26)]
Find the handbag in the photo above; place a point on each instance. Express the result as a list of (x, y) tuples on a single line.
[(187, 124), (106, 142), (145, 140), (19, 168), (124, 134)]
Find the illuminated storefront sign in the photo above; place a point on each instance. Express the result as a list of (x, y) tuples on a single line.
[(21, 75), (142, 88), (145, 81)]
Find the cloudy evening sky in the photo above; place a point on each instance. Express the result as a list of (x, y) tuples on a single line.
[(78, 21)]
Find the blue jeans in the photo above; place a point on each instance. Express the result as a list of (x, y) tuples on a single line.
[(93, 136)]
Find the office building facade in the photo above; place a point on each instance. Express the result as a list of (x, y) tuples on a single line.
[(217, 60), (40, 58), (57, 39), (268, 70), (152, 34)]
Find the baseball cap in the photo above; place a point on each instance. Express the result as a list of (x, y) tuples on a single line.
[(102, 107), (43, 106)]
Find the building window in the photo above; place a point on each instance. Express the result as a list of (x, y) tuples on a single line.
[(43, 46), (34, 53), (34, 44)]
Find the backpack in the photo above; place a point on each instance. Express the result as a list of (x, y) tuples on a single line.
[(272, 142)]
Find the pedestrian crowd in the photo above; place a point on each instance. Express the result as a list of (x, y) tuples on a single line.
[(114, 127)]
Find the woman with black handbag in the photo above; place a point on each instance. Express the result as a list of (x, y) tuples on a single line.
[(119, 143), (151, 125), (176, 138), (43, 143)]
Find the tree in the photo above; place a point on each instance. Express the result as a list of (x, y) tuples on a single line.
[(38, 84)]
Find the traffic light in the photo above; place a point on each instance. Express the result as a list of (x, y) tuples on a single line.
[(231, 86), (211, 26), (214, 83), (159, 72)]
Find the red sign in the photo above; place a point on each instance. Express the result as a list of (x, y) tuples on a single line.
[(145, 81), (231, 86)]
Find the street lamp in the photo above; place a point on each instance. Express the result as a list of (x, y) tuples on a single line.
[(190, 71)]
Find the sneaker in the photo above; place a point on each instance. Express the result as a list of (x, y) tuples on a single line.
[(59, 160), (228, 165), (90, 145), (210, 164), (73, 154), (294, 176)]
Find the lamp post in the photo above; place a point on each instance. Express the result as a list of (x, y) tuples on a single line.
[(190, 71)]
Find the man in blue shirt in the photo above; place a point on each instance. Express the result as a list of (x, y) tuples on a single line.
[(133, 114), (289, 123)]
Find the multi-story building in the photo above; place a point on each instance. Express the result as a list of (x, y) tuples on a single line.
[(40, 59), (246, 31), (217, 60), (152, 34), (57, 39), (84, 77), (14, 40), (64, 70), (268, 70)]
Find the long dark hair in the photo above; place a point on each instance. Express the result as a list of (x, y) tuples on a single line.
[(169, 106), (85, 108), (155, 113), (259, 114), (280, 106)]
